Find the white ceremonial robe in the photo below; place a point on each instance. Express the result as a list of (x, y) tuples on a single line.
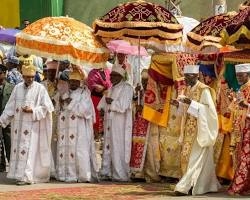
[(117, 132), (30, 157), (76, 158), (200, 174)]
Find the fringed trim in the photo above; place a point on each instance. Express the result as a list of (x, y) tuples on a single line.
[(242, 46), (195, 36), (236, 60), (203, 45), (230, 39), (137, 33), (71, 59), (134, 24), (61, 52), (147, 42)]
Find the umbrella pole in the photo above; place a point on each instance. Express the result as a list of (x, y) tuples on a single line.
[(138, 70)]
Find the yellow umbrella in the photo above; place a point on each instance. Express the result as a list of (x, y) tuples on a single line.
[(62, 38)]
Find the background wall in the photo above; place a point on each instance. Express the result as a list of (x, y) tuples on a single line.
[(87, 11), (36, 9), (9, 10), (14, 11)]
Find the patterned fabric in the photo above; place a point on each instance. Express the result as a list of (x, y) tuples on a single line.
[(139, 142), (102, 78), (142, 19), (238, 32), (241, 181), (207, 33), (190, 132), (62, 38), (14, 77)]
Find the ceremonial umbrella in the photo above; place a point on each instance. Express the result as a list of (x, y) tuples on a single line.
[(151, 23), (238, 32), (8, 35), (62, 38), (207, 33)]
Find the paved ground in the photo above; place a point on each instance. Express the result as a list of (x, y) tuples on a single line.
[(157, 191), (7, 185)]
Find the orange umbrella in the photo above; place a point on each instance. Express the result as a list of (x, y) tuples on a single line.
[(62, 38)]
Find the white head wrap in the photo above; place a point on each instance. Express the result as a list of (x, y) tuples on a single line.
[(242, 68), (191, 69)]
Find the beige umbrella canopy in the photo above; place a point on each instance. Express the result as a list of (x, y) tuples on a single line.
[(62, 38)]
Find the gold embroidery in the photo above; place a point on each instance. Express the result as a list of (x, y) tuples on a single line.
[(190, 131)]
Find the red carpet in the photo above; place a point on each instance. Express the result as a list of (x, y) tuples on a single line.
[(101, 191)]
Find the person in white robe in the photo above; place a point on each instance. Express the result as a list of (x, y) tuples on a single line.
[(116, 106), (76, 157), (29, 110), (199, 132)]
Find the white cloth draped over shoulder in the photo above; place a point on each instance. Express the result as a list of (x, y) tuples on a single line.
[(200, 174), (117, 132), (30, 158), (76, 158)]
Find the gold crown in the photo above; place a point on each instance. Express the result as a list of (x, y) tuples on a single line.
[(28, 70)]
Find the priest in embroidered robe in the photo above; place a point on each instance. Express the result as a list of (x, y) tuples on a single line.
[(51, 86), (240, 136), (117, 109), (199, 132), (76, 158), (29, 111)]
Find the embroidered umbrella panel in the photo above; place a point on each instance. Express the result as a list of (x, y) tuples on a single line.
[(62, 38), (207, 33), (149, 21), (238, 32)]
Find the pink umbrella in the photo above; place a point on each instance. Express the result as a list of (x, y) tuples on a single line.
[(121, 46), (136, 51)]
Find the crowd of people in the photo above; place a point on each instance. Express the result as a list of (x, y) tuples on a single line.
[(51, 119)]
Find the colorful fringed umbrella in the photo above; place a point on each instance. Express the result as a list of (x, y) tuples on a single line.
[(139, 19), (238, 32), (62, 38), (8, 35), (207, 33)]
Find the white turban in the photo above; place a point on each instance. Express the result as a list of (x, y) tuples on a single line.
[(242, 68), (191, 69)]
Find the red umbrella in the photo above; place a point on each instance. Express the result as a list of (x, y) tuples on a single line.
[(139, 19), (238, 32), (207, 33)]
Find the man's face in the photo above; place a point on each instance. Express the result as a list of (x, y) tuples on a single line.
[(28, 80), (208, 79), (121, 58), (191, 79), (242, 77), (2, 76), (115, 78), (74, 84), (51, 74), (26, 23)]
